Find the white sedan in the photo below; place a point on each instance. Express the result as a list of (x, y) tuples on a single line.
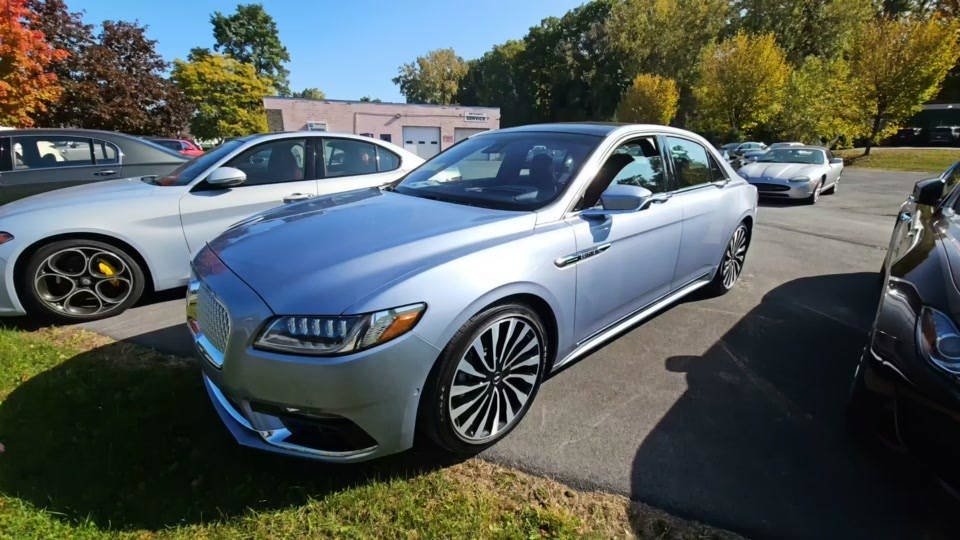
[(90, 251)]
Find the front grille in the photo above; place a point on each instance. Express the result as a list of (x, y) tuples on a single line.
[(212, 319), (771, 187)]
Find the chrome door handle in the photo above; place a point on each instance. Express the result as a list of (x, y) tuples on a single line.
[(659, 198), (297, 197)]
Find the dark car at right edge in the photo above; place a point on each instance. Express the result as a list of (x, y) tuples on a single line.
[(906, 389)]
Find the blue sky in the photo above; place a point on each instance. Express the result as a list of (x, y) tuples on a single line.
[(347, 48)]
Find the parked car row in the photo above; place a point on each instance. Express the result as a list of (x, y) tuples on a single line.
[(345, 297), (935, 136)]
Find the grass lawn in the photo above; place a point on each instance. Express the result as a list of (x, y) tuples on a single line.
[(901, 159), (106, 439)]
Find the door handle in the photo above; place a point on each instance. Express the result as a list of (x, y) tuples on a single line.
[(107, 172), (297, 197), (659, 198)]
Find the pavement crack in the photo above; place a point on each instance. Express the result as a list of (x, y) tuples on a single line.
[(821, 235)]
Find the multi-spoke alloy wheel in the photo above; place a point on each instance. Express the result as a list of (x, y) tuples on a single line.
[(731, 266), (487, 378), (78, 280)]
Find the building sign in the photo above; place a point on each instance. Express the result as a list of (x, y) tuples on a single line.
[(315, 125), (475, 117)]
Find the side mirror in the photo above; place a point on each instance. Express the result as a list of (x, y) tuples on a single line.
[(928, 192), (226, 177), (624, 197), (836, 161)]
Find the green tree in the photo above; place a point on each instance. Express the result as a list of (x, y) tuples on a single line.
[(742, 83), (570, 70), (666, 38), (651, 99), (497, 79), (250, 35), (434, 78), (228, 95), (898, 64), (821, 104), (368, 99), (823, 28), (310, 93)]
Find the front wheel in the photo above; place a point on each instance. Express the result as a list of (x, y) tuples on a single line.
[(815, 196), (486, 379), (731, 266), (80, 280)]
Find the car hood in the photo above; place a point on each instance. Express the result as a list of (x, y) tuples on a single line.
[(325, 255), (91, 194), (783, 171)]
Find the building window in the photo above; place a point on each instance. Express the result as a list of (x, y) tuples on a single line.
[(386, 137), (316, 125), (474, 117)]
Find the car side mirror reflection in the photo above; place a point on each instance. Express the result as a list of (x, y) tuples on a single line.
[(928, 191), (225, 177)]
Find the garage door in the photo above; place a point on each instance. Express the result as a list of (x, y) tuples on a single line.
[(422, 141), (460, 134)]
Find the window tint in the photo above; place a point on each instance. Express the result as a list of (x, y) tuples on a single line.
[(950, 180), (4, 154), (42, 152), (346, 157), (105, 153), (387, 160), (272, 162), (646, 170), (692, 164)]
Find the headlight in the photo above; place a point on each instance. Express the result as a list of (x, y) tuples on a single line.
[(939, 340), (330, 336), (800, 179)]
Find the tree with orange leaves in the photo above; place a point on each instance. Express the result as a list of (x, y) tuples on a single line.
[(26, 83)]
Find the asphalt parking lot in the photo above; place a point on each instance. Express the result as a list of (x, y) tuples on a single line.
[(727, 410)]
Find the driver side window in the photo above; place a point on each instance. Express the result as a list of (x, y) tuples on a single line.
[(646, 169), (272, 162)]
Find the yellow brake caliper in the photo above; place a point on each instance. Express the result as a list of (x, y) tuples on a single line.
[(107, 270)]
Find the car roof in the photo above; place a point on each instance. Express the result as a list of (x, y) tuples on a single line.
[(587, 128)]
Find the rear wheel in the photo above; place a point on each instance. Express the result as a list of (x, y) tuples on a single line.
[(731, 266), (80, 280), (486, 379)]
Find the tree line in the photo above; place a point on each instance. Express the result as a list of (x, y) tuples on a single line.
[(57, 71), (829, 71)]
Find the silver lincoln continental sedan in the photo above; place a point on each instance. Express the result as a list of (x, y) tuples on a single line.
[(340, 327)]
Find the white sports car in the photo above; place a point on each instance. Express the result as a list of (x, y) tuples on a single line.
[(90, 251), (796, 172)]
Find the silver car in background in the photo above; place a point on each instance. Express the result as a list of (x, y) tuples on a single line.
[(337, 328), (90, 251), (796, 172)]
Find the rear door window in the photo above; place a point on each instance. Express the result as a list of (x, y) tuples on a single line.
[(47, 152)]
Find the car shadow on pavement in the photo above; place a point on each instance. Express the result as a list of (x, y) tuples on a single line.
[(128, 440), (757, 443)]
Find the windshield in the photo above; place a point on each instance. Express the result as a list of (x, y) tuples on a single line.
[(510, 171), (186, 173), (793, 155)]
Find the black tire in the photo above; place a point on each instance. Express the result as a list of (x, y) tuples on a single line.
[(437, 419), (721, 284), (79, 280), (815, 196)]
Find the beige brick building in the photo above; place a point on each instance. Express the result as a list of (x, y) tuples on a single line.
[(422, 129)]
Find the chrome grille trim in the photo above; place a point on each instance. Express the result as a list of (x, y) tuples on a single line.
[(212, 319)]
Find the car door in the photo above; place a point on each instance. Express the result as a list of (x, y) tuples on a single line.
[(699, 191), (278, 171), (348, 164), (906, 230), (835, 169), (45, 162), (625, 259)]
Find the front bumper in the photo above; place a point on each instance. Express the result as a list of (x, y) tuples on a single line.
[(774, 188), (336, 409)]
